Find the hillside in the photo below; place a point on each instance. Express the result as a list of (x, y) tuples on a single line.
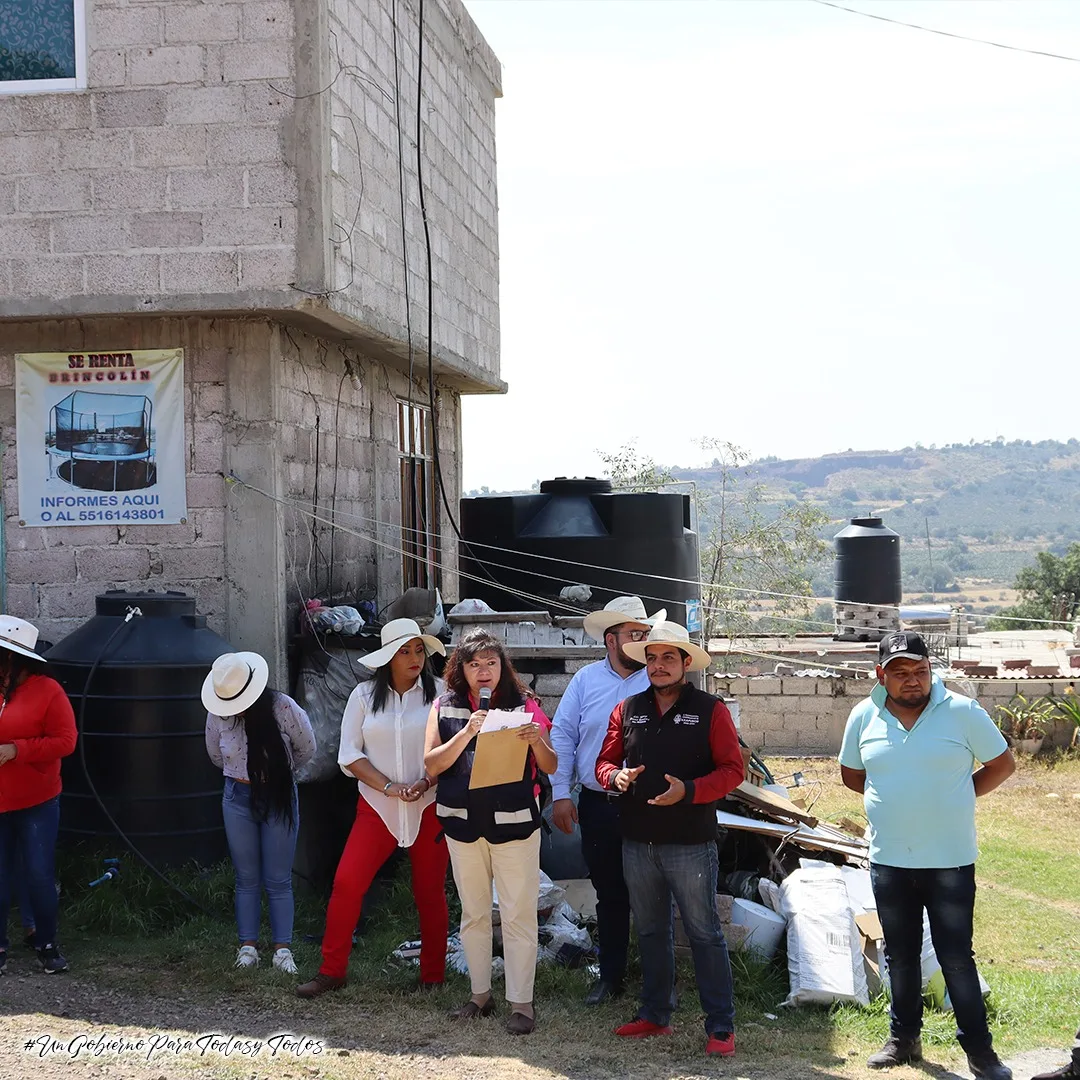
[(988, 507)]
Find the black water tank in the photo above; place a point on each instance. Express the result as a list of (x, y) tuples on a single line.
[(867, 569), (143, 728), (618, 544)]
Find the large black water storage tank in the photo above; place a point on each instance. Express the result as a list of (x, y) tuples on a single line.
[(867, 569), (142, 727), (625, 543)]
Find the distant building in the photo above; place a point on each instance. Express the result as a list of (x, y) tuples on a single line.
[(223, 178)]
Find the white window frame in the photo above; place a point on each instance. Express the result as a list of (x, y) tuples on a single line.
[(52, 86)]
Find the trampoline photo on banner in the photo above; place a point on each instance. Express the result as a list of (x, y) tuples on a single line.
[(101, 437)]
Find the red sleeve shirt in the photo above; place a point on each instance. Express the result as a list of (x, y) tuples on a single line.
[(727, 775), (39, 722)]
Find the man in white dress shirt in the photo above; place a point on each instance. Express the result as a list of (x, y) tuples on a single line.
[(578, 730)]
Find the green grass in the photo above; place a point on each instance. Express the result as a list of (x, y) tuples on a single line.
[(137, 936)]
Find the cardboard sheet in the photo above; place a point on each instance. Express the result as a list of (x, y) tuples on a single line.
[(500, 756), (772, 804), (820, 839)]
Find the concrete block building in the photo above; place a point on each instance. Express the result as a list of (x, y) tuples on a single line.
[(239, 179)]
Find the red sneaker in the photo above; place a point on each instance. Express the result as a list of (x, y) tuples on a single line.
[(642, 1029), (722, 1045)]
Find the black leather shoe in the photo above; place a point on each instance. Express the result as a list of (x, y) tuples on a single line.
[(602, 991), (897, 1050), (1066, 1072), (986, 1065)]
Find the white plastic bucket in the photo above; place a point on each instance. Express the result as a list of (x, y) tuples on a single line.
[(766, 928)]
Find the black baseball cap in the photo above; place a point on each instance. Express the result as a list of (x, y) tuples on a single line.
[(904, 644)]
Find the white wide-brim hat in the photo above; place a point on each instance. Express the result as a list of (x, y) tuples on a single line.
[(620, 610), (19, 636), (669, 633), (235, 682), (393, 635)]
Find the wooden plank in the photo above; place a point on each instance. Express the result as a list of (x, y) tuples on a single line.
[(768, 802), (541, 618), (555, 652)]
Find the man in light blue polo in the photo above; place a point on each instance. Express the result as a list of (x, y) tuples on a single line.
[(577, 733), (910, 748)]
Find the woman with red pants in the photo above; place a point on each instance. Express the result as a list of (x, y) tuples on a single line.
[(382, 745)]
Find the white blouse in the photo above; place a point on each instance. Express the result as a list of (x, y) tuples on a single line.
[(393, 741)]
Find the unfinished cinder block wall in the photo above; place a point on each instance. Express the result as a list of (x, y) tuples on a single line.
[(230, 182), (280, 418)]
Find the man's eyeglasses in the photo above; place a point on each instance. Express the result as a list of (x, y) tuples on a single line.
[(634, 635)]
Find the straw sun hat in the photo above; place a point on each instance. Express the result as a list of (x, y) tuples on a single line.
[(669, 633), (393, 635)]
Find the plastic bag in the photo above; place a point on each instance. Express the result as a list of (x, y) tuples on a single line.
[(563, 942), (338, 620), (471, 607), (825, 961)]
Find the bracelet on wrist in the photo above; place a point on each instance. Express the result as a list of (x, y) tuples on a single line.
[(387, 786)]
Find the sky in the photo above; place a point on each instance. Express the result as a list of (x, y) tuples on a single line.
[(781, 225)]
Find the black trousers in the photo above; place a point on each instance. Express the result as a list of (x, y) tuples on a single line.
[(601, 845)]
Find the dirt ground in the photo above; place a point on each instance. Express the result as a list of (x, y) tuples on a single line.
[(70, 1027)]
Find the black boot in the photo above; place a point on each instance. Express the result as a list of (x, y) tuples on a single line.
[(898, 1050), (986, 1065), (1066, 1072), (602, 991)]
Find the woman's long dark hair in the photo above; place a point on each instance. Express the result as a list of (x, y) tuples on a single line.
[(268, 765), (381, 681), (14, 667), (510, 692)]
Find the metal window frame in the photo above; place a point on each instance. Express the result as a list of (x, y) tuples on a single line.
[(419, 537)]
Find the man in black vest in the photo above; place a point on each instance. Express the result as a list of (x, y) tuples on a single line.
[(673, 752)]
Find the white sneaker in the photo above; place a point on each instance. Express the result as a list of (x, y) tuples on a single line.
[(247, 956), (283, 961)]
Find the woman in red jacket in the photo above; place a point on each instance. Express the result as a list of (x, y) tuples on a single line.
[(37, 729)]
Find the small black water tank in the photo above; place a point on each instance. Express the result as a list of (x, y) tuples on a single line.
[(143, 728), (868, 563), (619, 544)]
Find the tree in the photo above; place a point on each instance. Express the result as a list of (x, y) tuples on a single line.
[(750, 546), (630, 471), (1049, 592)]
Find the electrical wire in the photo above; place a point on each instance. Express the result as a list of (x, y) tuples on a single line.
[(663, 600), (667, 600), (947, 33), (81, 726), (546, 601)]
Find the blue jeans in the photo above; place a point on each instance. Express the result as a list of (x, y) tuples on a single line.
[(262, 854), (655, 873), (30, 834), (948, 895), (22, 888), (601, 846)]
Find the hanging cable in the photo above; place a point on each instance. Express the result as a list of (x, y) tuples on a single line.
[(81, 727), (946, 33)]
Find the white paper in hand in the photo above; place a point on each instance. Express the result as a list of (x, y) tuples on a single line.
[(500, 719)]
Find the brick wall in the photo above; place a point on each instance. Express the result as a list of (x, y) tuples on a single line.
[(797, 715), (53, 574), (356, 438), (203, 170), (170, 176), (461, 80)]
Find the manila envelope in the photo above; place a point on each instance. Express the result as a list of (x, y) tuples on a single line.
[(499, 758)]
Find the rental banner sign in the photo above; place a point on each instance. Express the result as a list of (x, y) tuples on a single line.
[(101, 438)]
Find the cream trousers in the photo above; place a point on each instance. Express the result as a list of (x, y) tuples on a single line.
[(515, 869)]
